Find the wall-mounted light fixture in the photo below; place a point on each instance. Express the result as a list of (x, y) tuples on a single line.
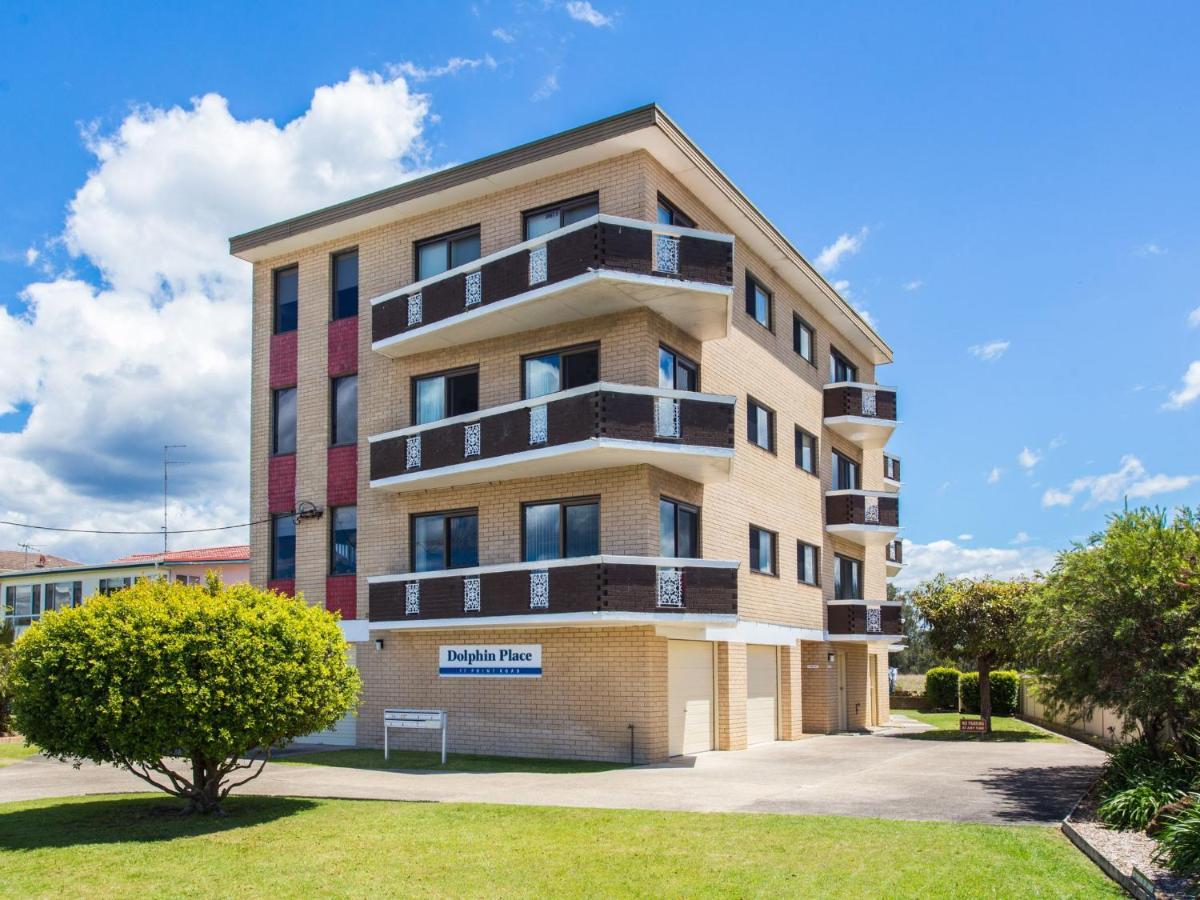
[(306, 509), (379, 643)]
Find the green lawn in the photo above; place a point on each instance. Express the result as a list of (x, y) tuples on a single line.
[(11, 752), (283, 847), (1004, 728), (409, 760)]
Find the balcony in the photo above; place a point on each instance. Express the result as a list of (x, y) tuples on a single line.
[(864, 414), (891, 472), (864, 620), (894, 556), (598, 426), (586, 591), (869, 518), (601, 265)]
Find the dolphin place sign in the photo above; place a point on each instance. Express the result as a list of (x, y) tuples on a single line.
[(491, 661)]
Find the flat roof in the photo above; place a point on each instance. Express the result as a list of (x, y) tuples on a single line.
[(646, 128)]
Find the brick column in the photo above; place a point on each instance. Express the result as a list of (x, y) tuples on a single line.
[(791, 706), (819, 688), (731, 696)]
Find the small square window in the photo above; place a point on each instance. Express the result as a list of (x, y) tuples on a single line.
[(760, 425), (808, 563), (762, 551), (806, 451), (803, 338), (759, 302), (449, 251)]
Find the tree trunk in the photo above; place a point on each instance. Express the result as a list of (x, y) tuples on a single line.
[(206, 787), (985, 692)]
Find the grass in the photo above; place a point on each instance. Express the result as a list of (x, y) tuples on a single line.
[(14, 751), (289, 847), (1004, 728), (410, 760)]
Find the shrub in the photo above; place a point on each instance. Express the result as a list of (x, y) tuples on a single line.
[(1138, 785), (1133, 808), (1179, 839), (941, 687), (1006, 688), (162, 670)]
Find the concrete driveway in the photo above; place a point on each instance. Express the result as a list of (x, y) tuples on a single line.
[(884, 774)]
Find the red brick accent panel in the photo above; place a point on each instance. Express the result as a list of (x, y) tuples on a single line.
[(283, 359), (281, 484), (283, 585), (341, 595), (341, 473), (343, 346)]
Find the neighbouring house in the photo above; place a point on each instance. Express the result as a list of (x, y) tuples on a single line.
[(28, 593), (583, 450), (15, 560)]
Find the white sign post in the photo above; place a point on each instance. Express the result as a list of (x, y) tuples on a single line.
[(426, 719)]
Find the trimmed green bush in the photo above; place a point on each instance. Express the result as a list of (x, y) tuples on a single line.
[(1005, 690), (1134, 808), (1179, 840), (941, 687)]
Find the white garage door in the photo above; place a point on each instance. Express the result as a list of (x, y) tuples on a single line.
[(344, 732), (761, 688), (689, 697)]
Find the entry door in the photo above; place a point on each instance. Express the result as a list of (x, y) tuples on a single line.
[(762, 688), (689, 697), (841, 691)]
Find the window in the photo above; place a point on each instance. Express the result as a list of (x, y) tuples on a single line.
[(343, 540), (844, 474), (59, 595), (669, 214), (283, 546), (344, 405), (445, 541), (448, 251), (109, 585), (806, 451), (24, 604), (808, 563), (847, 581), (345, 284), (891, 468), (286, 295), (762, 551), (562, 529), (760, 425), (676, 371), (758, 303), (840, 368), (560, 371), (802, 338), (283, 421), (678, 529), (445, 394), (559, 215)]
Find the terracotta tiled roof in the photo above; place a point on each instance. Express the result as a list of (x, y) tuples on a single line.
[(15, 560), (237, 553)]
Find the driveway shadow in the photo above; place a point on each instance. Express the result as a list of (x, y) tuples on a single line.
[(1042, 793), (78, 822)]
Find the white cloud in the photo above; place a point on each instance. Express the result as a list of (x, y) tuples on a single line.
[(32, 254), (924, 561), (1130, 480), (994, 475), (547, 88), (1021, 537), (1151, 249), (914, 285), (966, 537), (1194, 318), (583, 11), (452, 66), (1057, 442), (158, 350), (1188, 392), (503, 34), (866, 316), (846, 245), (989, 352), (1029, 458)]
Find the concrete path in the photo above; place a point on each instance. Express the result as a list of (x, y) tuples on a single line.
[(883, 774)]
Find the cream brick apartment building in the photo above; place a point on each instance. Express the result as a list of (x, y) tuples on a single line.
[(582, 449)]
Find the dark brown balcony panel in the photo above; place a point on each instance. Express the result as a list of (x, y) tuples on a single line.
[(604, 244), (595, 586), (847, 400), (895, 552), (600, 415), (846, 619), (852, 509)]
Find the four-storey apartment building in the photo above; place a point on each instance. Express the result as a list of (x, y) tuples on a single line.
[(584, 452)]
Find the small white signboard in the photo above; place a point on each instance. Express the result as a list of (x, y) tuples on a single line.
[(490, 661), (431, 719)]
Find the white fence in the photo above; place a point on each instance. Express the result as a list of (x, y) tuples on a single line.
[(1103, 724)]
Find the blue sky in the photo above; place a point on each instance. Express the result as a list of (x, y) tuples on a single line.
[(1017, 178)]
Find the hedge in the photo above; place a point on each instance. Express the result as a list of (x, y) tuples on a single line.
[(941, 687), (1005, 687)]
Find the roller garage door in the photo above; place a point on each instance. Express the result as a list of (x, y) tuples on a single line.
[(689, 697), (762, 684)]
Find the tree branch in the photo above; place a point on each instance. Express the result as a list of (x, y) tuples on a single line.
[(262, 765)]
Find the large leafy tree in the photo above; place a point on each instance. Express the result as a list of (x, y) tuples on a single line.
[(217, 675), (918, 655), (977, 619), (1117, 625)]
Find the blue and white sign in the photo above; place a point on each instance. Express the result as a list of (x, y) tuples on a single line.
[(491, 661)]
